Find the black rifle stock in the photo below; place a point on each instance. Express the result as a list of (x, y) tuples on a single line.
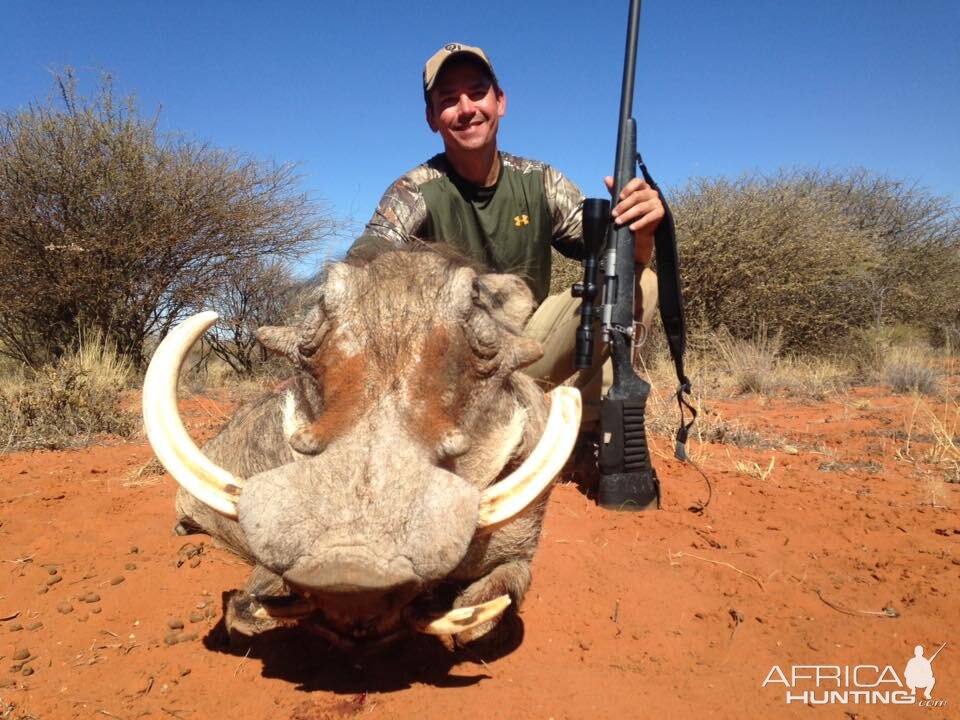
[(628, 481)]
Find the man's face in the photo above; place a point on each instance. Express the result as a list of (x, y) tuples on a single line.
[(464, 107)]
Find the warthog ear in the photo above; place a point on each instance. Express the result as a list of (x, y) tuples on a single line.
[(295, 343), (312, 330), (506, 297), (281, 340)]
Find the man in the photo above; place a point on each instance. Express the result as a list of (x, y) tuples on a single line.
[(506, 211)]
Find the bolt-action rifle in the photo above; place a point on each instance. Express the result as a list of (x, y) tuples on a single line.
[(628, 480)]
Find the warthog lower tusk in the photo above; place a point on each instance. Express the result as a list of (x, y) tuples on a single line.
[(285, 608), (198, 475), (502, 501), (462, 619)]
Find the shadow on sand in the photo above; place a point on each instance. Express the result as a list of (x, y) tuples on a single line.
[(311, 663)]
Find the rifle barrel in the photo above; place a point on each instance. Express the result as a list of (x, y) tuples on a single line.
[(626, 96)]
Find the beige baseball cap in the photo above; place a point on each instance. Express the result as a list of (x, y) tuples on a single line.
[(432, 69)]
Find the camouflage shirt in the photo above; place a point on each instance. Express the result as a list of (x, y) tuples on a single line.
[(509, 227)]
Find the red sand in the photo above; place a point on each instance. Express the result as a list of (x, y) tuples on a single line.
[(670, 612)]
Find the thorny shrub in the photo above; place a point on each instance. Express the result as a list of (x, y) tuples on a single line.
[(813, 254)]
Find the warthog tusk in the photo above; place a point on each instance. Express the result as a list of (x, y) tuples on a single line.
[(506, 499), (197, 474), (285, 608), (462, 619)]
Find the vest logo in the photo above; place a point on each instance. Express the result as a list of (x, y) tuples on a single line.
[(521, 220)]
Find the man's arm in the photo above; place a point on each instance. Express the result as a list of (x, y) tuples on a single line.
[(565, 202), (398, 218)]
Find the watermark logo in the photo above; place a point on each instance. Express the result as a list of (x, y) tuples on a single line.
[(859, 684), (919, 672)]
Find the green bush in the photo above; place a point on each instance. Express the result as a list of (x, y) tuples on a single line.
[(774, 251), (815, 256)]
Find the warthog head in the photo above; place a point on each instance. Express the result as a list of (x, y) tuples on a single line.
[(423, 458)]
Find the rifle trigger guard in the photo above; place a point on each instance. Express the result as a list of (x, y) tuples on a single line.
[(639, 336)]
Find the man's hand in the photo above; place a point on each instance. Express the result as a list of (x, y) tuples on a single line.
[(641, 207)]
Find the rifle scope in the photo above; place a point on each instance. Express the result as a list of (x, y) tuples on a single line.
[(596, 218)]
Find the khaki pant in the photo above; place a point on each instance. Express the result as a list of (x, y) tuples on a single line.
[(554, 325)]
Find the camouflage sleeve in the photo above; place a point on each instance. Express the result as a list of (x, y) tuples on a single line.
[(565, 202), (398, 218)]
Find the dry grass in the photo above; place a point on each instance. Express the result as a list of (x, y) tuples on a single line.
[(67, 403), (711, 426), (930, 440), (752, 363), (756, 366), (753, 470), (912, 369), (814, 378)]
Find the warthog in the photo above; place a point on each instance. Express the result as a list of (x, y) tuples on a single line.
[(407, 457)]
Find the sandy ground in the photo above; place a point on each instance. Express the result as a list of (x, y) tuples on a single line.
[(839, 553)]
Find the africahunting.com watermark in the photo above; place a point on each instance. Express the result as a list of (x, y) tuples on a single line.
[(859, 684)]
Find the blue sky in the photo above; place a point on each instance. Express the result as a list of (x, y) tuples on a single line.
[(723, 87)]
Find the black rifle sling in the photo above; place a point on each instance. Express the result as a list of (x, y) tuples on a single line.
[(670, 298)]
